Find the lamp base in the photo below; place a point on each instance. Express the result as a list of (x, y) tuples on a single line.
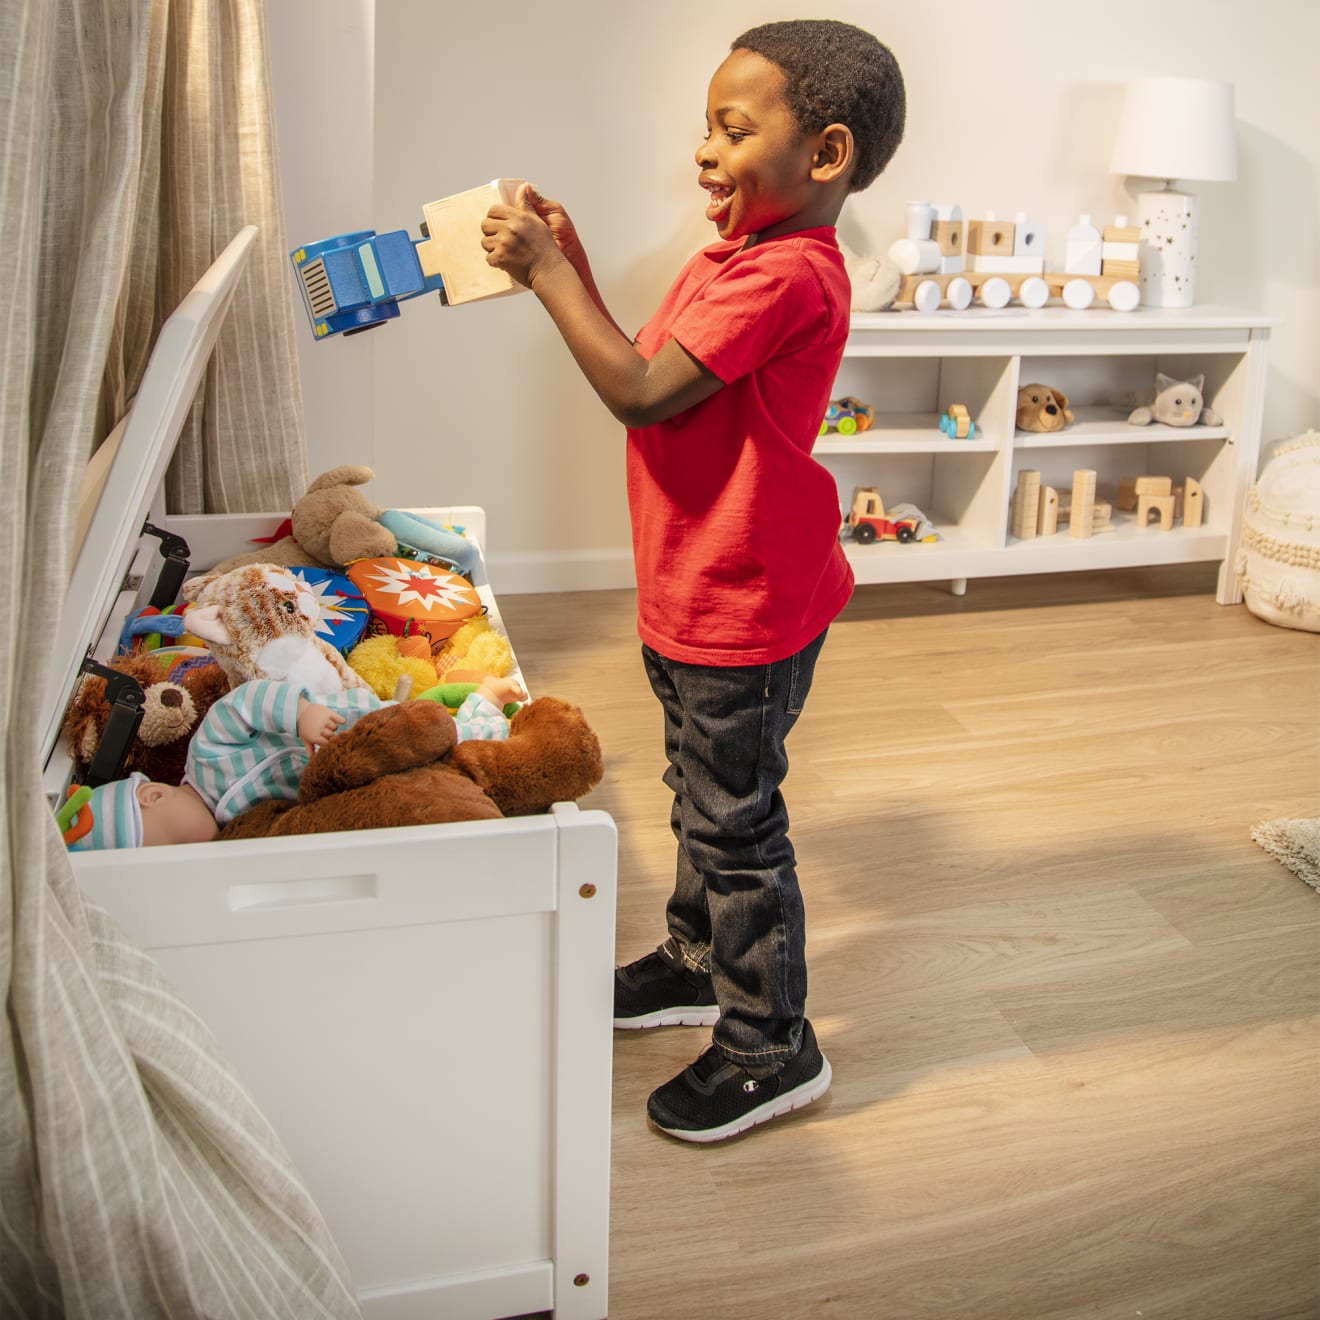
[(1167, 255)]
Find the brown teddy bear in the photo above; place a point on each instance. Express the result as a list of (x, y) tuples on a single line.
[(177, 691), (333, 524), (403, 765), (1041, 408)]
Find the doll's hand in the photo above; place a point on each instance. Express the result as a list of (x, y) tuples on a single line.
[(523, 241), (317, 724), (500, 692)]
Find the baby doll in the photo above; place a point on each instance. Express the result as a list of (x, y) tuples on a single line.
[(252, 747)]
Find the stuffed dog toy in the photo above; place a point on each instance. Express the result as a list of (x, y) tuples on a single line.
[(1040, 408), (403, 765)]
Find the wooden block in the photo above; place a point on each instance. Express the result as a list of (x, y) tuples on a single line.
[(1161, 504), (1047, 522), (1081, 510), (1120, 252), (1193, 503), (1006, 265), (1121, 270), (949, 235), (1026, 504), (453, 248), (1127, 493), (1121, 234), (990, 238), (1153, 485), (1101, 512)]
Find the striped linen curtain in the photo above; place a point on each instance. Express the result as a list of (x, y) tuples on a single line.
[(137, 1177)]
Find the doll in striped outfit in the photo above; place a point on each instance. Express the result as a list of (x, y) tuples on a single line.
[(252, 747)]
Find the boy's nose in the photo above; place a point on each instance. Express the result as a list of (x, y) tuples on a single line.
[(705, 154)]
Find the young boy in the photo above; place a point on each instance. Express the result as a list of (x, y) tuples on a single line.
[(735, 533), (253, 746)]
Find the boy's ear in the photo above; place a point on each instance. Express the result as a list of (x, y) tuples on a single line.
[(833, 157), (149, 794)]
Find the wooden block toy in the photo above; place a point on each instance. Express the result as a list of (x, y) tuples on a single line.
[(915, 256), (1082, 253), (1153, 485), (1131, 488), (1160, 504), (948, 235), (453, 250), (1121, 232), (1080, 291), (1193, 504), (1028, 237), (1007, 265), (1047, 522), (951, 265), (957, 423), (1120, 270), (1081, 508), (1026, 504), (989, 237)]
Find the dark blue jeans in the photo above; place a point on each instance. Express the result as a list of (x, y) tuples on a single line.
[(736, 911)]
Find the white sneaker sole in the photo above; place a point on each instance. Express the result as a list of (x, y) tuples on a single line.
[(798, 1098), (670, 1017)]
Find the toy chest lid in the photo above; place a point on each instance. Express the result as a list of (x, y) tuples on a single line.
[(116, 566)]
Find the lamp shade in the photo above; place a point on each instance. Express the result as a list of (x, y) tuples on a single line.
[(1176, 128)]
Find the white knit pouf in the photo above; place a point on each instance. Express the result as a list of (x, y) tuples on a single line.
[(1278, 565)]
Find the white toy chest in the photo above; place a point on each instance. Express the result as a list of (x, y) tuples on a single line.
[(423, 1014)]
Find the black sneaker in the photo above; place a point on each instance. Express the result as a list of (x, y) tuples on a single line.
[(714, 1098), (652, 992)]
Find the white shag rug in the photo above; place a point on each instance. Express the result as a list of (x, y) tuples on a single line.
[(1294, 843)]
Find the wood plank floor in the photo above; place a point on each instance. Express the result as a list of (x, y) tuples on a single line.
[(1073, 1011)]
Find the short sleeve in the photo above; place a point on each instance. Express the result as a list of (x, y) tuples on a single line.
[(753, 311)]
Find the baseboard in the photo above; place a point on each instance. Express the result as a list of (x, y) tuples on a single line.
[(519, 573)]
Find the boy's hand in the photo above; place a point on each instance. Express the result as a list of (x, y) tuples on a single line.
[(317, 724), (522, 239)]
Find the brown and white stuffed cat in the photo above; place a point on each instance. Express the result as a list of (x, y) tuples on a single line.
[(259, 621)]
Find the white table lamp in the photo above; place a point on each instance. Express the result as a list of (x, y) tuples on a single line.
[(1171, 129)]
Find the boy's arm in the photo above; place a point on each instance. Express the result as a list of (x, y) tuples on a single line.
[(638, 391)]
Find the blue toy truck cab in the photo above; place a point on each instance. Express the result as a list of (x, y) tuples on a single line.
[(355, 281)]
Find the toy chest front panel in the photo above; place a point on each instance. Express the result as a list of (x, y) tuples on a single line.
[(388, 996)]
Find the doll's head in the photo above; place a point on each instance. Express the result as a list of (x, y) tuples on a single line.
[(137, 812), (835, 73)]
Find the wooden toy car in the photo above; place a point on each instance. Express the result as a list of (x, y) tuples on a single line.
[(847, 416), (868, 522), (956, 423)]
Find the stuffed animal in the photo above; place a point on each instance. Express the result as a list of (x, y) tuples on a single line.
[(875, 280), (1042, 408), (259, 621), (474, 652), (334, 524), (402, 765), (179, 687), (1175, 403), (383, 660)]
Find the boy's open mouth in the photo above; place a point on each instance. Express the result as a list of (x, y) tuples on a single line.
[(720, 196)]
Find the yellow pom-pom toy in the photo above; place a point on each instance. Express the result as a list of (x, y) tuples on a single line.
[(378, 662)]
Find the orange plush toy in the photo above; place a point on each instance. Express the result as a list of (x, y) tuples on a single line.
[(403, 765)]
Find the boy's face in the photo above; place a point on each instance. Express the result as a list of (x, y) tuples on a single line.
[(755, 162)]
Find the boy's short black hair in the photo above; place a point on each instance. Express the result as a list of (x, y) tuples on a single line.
[(838, 74)]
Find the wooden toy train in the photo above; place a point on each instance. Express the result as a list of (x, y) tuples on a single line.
[(946, 262)]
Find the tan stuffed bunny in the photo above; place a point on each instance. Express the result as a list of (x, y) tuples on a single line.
[(259, 621)]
